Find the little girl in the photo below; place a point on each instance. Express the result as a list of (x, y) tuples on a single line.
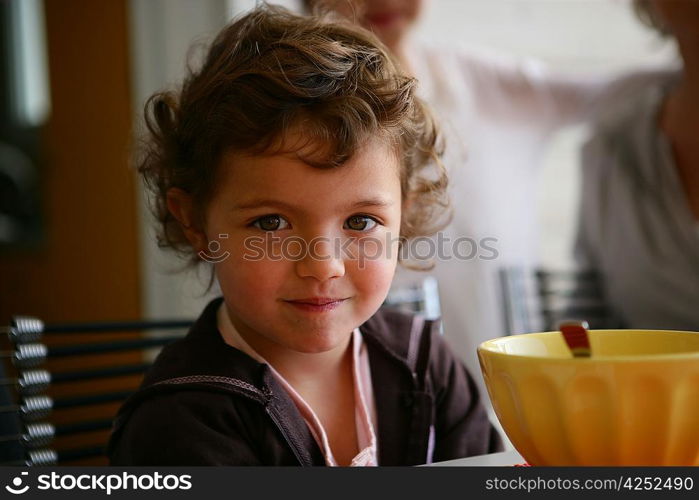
[(297, 160)]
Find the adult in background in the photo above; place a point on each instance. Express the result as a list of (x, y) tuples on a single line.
[(639, 225)]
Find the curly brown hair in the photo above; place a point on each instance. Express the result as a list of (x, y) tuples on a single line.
[(271, 71)]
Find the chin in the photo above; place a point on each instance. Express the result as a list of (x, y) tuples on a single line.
[(322, 342)]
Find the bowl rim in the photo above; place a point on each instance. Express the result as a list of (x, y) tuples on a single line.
[(688, 356)]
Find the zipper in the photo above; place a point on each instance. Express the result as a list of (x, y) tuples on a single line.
[(263, 397), (413, 348), (282, 430), (240, 386)]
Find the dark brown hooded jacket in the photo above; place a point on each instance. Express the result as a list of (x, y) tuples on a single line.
[(206, 403)]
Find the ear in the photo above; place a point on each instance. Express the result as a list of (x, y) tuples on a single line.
[(181, 206)]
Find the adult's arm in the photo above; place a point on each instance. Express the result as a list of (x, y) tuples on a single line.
[(526, 90)]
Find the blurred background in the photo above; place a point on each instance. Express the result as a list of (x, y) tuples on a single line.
[(75, 235), (76, 238)]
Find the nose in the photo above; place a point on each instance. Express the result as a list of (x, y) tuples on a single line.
[(320, 261)]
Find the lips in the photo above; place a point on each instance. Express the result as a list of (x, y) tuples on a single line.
[(316, 304), (317, 301)]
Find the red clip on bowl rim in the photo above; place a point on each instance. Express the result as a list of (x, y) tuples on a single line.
[(576, 337)]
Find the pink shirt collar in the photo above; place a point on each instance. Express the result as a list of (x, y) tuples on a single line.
[(365, 410)]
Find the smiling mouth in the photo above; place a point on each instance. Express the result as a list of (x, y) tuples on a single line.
[(316, 304)]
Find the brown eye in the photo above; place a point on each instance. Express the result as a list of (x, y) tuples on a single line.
[(270, 223), (360, 223)]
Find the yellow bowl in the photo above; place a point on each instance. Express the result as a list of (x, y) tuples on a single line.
[(634, 402)]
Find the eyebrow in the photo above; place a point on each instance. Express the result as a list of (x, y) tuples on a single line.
[(259, 203)]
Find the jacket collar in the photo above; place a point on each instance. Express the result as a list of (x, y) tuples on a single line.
[(203, 351)]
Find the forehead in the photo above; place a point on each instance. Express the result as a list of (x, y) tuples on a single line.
[(373, 172)]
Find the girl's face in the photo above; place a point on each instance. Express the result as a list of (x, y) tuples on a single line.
[(306, 254), (390, 20)]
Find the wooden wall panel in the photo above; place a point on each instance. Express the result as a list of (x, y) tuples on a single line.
[(88, 267)]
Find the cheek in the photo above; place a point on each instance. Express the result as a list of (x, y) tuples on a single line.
[(380, 273), (250, 281), (374, 268)]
